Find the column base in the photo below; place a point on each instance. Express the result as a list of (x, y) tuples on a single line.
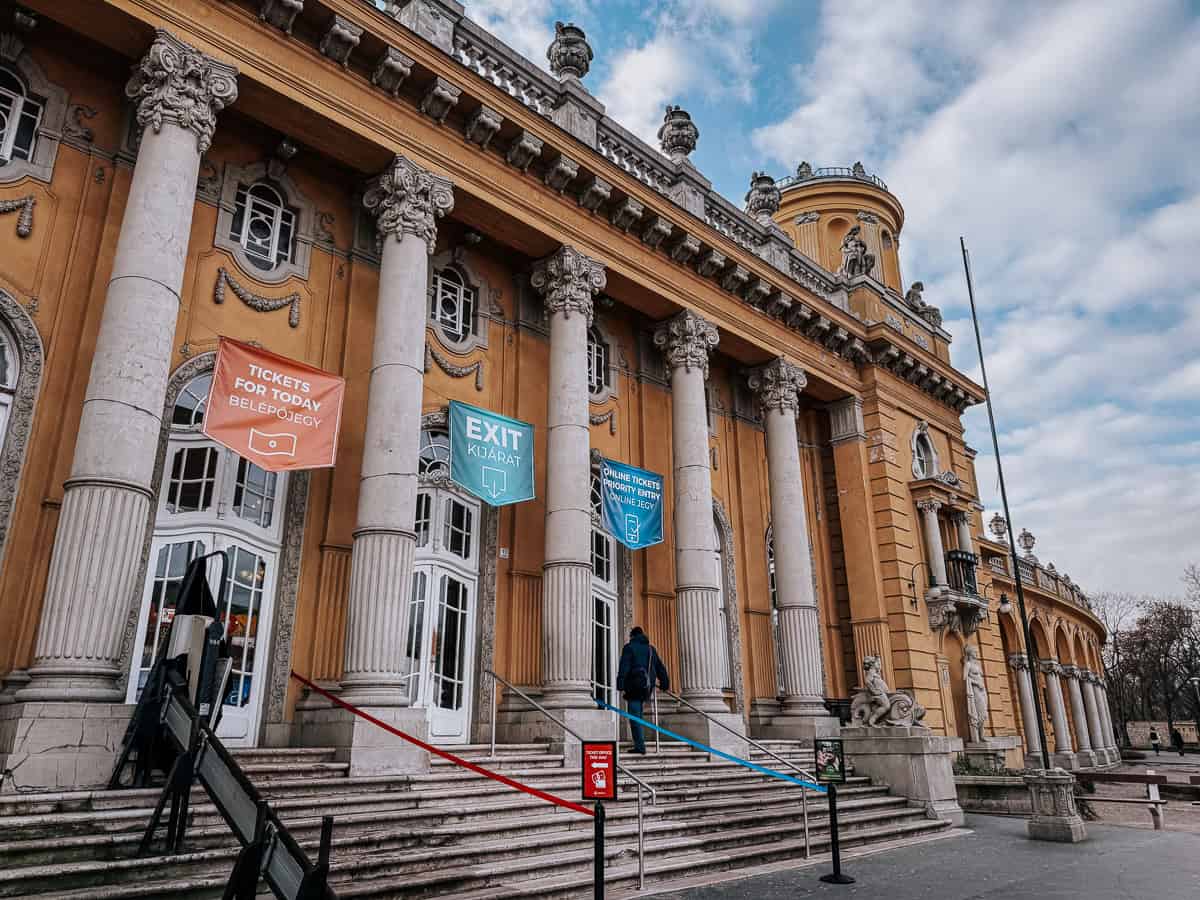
[(60, 746), (1086, 759), (1067, 760), (1055, 815), (797, 728), (698, 728), (368, 748), (913, 762), (530, 726)]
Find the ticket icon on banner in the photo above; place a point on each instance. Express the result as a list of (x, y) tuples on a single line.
[(281, 444)]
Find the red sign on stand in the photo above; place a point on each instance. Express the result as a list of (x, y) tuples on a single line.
[(599, 770)]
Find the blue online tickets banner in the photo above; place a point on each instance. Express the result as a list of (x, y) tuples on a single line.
[(491, 455), (631, 504)]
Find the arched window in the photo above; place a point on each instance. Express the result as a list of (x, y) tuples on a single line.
[(453, 305), (598, 357), (9, 370), (604, 605), (263, 225), (924, 454), (20, 116), (435, 452)]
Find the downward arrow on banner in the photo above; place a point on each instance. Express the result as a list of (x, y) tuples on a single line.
[(495, 480)]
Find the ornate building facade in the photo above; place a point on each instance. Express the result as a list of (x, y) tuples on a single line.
[(388, 192)]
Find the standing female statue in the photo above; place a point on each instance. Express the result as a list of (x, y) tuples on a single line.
[(977, 696)]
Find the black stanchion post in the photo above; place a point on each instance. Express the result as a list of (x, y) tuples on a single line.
[(598, 874), (836, 876)]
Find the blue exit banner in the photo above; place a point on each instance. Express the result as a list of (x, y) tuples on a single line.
[(631, 504), (491, 455)]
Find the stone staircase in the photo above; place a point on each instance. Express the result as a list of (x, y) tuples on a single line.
[(450, 833)]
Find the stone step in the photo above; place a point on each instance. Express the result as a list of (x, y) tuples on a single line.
[(271, 771)]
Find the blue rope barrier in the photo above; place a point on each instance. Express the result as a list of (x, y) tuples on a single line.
[(735, 759)]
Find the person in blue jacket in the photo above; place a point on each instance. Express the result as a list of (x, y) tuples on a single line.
[(641, 668)]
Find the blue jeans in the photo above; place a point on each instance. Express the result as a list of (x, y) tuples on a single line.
[(635, 729)]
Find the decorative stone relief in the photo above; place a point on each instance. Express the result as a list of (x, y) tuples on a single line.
[(876, 705), (405, 200), (711, 263), (656, 231), (921, 340), (174, 82), (678, 135), (808, 217), (686, 340), (568, 282), (599, 419), (483, 125), (392, 71), (595, 193), (763, 198), (454, 371), (524, 150), (561, 173), (31, 358), (778, 385), (685, 248), (339, 40), (257, 302), (25, 206), (627, 213), (281, 13), (439, 99), (846, 420), (569, 54), (735, 278), (75, 130), (856, 260), (866, 217)]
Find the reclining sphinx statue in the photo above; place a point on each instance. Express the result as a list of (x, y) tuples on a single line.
[(877, 705)]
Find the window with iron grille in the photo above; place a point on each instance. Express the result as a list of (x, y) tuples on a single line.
[(598, 356), (20, 116), (453, 305), (263, 226)]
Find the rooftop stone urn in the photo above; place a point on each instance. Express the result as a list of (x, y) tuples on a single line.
[(569, 53), (678, 135), (763, 199)]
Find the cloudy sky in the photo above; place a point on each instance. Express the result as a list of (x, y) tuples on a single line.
[(1061, 139)]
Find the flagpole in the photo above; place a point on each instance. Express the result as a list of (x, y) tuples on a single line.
[(1030, 657)]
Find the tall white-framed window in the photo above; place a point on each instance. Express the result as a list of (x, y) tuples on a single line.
[(20, 116), (604, 605), (718, 564), (440, 641), (924, 454), (453, 305), (263, 225), (598, 363), (773, 588), (10, 369), (212, 499)]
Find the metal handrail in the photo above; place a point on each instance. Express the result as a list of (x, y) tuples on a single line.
[(753, 743)]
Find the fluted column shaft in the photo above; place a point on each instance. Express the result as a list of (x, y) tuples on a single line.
[(1020, 665), (406, 201), (568, 282), (778, 385), (933, 541), (1078, 714), (686, 340), (1058, 709), (1095, 727), (98, 547)]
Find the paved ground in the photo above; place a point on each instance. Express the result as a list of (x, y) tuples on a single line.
[(995, 861)]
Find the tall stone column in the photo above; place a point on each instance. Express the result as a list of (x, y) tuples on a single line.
[(962, 523), (177, 93), (933, 541), (778, 385), (568, 282), (686, 339), (1083, 736), (406, 202), (1063, 755), (1095, 728), (1106, 722), (1019, 663)]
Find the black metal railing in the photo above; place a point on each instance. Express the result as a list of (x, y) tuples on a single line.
[(960, 571)]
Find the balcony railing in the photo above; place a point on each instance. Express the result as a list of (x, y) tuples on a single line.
[(960, 571), (832, 172)]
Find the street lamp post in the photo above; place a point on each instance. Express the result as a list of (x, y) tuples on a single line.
[(1195, 680)]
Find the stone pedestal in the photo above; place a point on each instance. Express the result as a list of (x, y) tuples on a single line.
[(914, 762), (991, 754), (1055, 815), (369, 749), (786, 727), (695, 726), (60, 746), (530, 726)]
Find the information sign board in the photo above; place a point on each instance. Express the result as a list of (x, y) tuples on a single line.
[(599, 770), (631, 504), (491, 455), (830, 761)]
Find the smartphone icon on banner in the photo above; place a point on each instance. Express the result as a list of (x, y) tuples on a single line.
[(632, 528)]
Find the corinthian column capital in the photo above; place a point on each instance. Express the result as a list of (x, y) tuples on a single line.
[(406, 199), (778, 385), (177, 83), (1050, 666), (568, 281), (1018, 661), (686, 339)]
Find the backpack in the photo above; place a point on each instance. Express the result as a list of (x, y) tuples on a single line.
[(639, 682)]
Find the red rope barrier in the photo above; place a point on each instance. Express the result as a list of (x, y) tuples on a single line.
[(457, 760)]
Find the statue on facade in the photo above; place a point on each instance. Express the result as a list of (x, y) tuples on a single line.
[(877, 705), (914, 296), (856, 260), (977, 695)]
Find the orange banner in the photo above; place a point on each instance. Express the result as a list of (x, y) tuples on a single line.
[(276, 412)]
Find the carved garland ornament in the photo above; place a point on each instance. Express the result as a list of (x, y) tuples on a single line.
[(568, 282), (686, 339), (778, 384), (174, 82), (408, 200), (599, 419), (454, 371), (257, 302), (25, 219)]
